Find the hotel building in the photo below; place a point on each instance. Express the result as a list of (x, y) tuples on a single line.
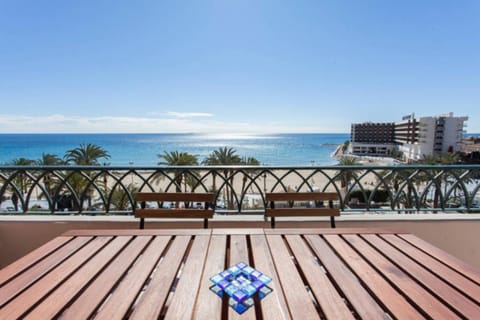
[(414, 137), (376, 139)]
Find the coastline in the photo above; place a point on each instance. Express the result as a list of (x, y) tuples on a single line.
[(338, 153), (143, 149)]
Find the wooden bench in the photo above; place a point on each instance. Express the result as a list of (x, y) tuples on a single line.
[(290, 211), (189, 199)]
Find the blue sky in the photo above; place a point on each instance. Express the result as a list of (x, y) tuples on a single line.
[(235, 66)]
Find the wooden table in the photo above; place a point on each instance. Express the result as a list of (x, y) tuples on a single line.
[(316, 273)]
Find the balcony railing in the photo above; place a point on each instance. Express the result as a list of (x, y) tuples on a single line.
[(239, 189)]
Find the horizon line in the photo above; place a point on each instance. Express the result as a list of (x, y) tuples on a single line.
[(199, 133)]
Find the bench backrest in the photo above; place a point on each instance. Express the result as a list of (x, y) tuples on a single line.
[(292, 197), (207, 200)]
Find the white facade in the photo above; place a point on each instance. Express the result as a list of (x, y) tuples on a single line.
[(372, 149), (439, 134), (453, 133)]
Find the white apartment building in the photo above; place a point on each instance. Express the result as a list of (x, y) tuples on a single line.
[(414, 137), (433, 135)]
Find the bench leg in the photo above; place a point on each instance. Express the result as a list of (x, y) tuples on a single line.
[(272, 222), (332, 222), (205, 223), (142, 223)]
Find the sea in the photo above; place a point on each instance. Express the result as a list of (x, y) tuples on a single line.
[(143, 149)]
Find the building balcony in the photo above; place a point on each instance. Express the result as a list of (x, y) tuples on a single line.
[(39, 203)]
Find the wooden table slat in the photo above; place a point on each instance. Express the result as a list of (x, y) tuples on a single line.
[(24, 280), (41, 288), (365, 306), (437, 286), (274, 305), (452, 277), (183, 302), (31, 258), (331, 302), (460, 266), (62, 295), (129, 287), (410, 288), (208, 306), (90, 299), (155, 295), (299, 302), (238, 253), (360, 299)]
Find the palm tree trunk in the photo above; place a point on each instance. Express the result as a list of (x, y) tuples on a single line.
[(395, 188), (228, 189), (230, 202), (214, 182), (244, 182), (409, 196), (15, 201), (178, 183), (435, 199)]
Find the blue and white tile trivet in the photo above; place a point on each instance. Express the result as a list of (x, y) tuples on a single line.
[(241, 282)]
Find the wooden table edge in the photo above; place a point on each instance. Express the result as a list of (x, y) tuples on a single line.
[(137, 232), (295, 231), (229, 231)]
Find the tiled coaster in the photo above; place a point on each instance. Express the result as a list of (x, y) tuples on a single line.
[(241, 282)]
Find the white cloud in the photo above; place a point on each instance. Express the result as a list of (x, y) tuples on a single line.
[(189, 114), (206, 124)]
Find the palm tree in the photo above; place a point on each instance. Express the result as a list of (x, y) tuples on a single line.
[(444, 180), (396, 178), (225, 156), (49, 159), (175, 158), (49, 181), (347, 175), (404, 177), (250, 161), (432, 160), (85, 155), (119, 197), (21, 180)]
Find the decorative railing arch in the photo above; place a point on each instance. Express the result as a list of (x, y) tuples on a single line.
[(111, 189)]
